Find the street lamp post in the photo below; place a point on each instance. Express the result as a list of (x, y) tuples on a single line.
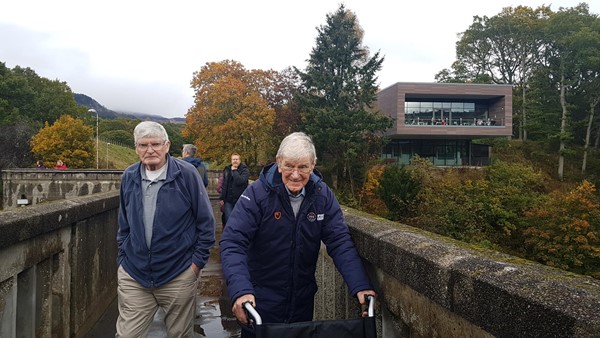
[(107, 143), (93, 111)]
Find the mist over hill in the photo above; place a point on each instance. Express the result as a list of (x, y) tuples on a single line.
[(105, 113)]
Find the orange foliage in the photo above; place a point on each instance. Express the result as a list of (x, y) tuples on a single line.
[(230, 113), (370, 202), (565, 231)]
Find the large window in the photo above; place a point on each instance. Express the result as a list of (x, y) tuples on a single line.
[(456, 113), (438, 152)]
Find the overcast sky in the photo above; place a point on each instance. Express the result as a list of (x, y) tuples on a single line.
[(140, 56)]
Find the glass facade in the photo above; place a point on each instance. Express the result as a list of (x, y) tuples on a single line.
[(463, 113), (438, 152)]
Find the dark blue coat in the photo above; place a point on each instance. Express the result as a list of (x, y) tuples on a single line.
[(200, 167), (184, 225), (267, 252)]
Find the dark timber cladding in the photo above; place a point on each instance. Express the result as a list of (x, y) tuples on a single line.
[(438, 121)]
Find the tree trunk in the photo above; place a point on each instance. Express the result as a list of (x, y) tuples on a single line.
[(588, 134), (597, 142), (524, 115), (563, 127)]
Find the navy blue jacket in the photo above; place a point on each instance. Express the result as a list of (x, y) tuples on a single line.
[(268, 252), (184, 225), (200, 167)]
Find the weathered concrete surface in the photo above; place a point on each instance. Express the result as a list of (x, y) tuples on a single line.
[(38, 186), (57, 266), (439, 287), (429, 286)]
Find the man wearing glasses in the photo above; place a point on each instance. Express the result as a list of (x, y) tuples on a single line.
[(166, 228), (270, 246)]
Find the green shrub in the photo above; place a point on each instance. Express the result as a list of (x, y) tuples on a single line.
[(399, 190)]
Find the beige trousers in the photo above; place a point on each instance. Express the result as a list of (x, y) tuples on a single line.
[(137, 305)]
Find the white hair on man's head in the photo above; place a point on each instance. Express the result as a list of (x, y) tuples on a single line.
[(297, 146), (150, 129)]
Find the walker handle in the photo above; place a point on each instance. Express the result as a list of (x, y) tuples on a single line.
[(371, 311), (252, 311)]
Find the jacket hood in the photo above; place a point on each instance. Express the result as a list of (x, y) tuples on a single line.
[(271, 177), (193, 160)]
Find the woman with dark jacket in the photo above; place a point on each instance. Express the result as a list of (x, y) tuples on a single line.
[(270, 246)]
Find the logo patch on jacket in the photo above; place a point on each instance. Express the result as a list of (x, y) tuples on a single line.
[(277, 215), (311, 216), (320, 217)]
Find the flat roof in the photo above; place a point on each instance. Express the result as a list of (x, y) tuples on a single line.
[(447, 84)]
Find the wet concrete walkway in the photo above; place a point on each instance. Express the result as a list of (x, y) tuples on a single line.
[(213, 311)]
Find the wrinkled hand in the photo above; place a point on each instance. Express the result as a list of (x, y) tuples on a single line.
[(238, 308), (362, 298)]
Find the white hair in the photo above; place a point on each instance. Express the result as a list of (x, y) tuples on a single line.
[(150, 129), (297, 146)]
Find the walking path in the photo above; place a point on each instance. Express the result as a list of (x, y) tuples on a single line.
[(213, 311)]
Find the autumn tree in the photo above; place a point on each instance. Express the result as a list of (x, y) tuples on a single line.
[(230, 113), (69, 140), (565, 231), (339, 87), (26, 102)]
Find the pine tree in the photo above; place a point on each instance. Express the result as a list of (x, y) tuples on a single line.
[(338, 91)]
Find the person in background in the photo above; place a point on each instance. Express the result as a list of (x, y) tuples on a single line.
[(166, 228), (271, 243), (60, 165), (235, 180), (40, 164), (188, 153)]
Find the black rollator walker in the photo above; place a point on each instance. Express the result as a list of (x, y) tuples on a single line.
[(347, 328)]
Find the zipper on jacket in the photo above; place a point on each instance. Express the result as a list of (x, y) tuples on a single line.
[(150, 278)]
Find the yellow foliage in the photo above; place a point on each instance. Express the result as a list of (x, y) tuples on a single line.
[(368, 195), (69, 140)]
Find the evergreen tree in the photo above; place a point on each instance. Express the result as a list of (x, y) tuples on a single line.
[(338, 90)]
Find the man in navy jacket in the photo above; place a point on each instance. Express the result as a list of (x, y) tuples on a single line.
[(187, 154), (166, 228), (271, 243)]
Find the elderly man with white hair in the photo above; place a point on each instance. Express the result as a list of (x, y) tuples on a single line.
[(270, 245)]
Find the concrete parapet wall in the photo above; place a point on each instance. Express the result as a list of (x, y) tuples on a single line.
[(38, 186), (432, 286), (58, 266)]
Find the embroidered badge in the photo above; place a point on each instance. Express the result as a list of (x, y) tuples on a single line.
[(320, 217), (311, 217), (277, 215)]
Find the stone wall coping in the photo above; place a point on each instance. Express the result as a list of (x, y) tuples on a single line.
[(27, 222), (505, 295)]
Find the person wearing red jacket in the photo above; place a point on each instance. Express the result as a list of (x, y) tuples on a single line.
[(60, 165)]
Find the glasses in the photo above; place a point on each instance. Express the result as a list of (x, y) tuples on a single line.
[(145, 146), (300, 169)]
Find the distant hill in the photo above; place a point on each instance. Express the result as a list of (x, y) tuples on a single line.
[(105, 113)]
